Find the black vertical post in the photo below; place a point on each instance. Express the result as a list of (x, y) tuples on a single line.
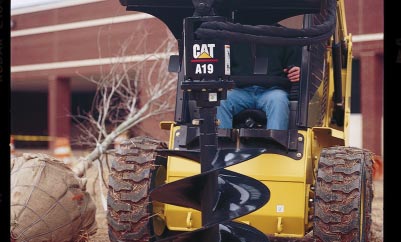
[(208, 150), (303, 104)]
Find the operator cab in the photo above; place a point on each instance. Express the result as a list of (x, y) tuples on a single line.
[(249, 123)]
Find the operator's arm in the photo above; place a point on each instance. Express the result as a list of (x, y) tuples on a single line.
[(293, 62)]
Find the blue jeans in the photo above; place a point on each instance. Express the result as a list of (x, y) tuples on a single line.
[(274, 102)]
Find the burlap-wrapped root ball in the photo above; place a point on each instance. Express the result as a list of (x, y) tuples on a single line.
[(49, 202)]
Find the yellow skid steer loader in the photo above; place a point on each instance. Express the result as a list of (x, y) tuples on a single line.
[(247, 183)]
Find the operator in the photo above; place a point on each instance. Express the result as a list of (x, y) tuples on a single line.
[(282, 61)]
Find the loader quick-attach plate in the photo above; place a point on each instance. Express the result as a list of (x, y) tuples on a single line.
[(252, 12)]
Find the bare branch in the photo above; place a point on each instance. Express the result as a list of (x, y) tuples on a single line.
[(128, 92)]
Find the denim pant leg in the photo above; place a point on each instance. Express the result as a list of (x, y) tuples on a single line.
[(237, 100), (275, 103)]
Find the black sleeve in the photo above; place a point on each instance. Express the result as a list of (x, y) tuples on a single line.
[(293, 56)]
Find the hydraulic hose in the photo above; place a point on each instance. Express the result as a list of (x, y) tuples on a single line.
[(270, 34)]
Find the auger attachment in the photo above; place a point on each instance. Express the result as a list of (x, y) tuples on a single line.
[(221, 195)]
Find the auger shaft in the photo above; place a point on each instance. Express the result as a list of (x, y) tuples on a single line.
[(208, 149)]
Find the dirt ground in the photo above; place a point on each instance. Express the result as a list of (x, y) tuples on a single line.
[(101, 235)]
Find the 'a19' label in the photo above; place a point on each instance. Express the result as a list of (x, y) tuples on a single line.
[(203, 56)]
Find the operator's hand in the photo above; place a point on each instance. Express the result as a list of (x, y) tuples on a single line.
[(293, 73)]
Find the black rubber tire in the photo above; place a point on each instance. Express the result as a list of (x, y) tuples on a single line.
[(343, 195), (130, 180)]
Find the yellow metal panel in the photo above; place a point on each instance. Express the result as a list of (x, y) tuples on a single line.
[(272, 167), (264, 167), (178, 167), (329, 132), (285, 177), (287, 202), (173, 129), (176, 218)]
